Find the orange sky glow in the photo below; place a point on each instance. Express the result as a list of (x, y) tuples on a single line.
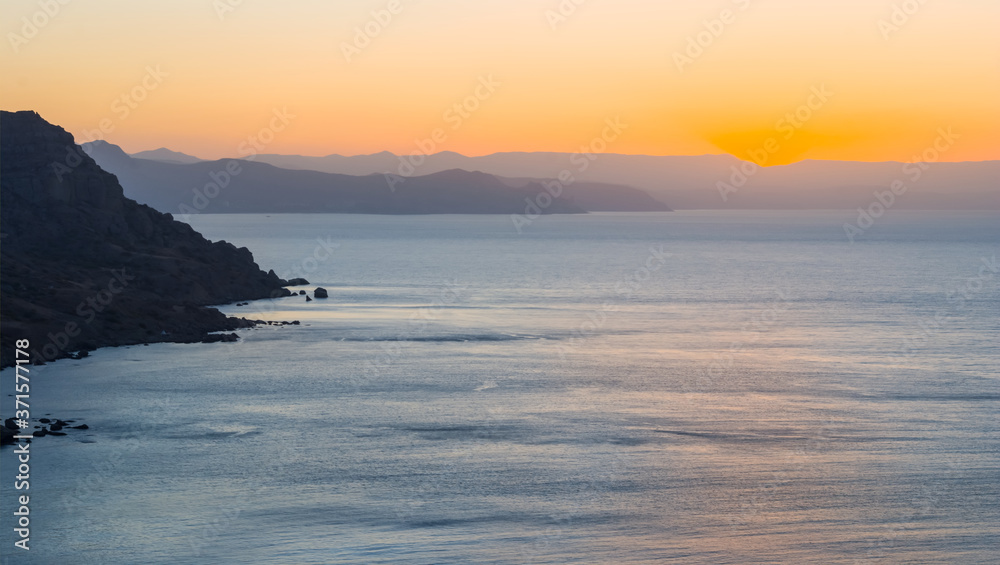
[(784, 80)]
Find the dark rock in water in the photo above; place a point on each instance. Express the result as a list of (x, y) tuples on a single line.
[(55, 428), (308, 299), (69, 229), (223, 338), (81, 427), (321, 293), (301, 292), (297, 282), (39, 433), (6, 435), (55, 434), (44, 420), (295, 323), (10, 424)]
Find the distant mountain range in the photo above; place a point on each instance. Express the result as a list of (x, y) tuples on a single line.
[(709, 181), (181, 184), (167, 156)]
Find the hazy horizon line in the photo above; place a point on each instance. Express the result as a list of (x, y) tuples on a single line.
[(246, 157)]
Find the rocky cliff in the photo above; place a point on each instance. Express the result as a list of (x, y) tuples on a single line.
[(85, 267)]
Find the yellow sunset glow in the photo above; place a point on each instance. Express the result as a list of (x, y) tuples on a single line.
[(686, 77)]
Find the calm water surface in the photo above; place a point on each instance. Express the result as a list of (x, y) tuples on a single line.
[(696, 387)]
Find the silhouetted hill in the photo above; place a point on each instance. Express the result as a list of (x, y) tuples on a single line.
[(604, 197), (693, 182), (251, 187), (167, 156), (85, 267)]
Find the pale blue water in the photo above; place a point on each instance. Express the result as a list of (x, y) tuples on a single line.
[(766, 393)]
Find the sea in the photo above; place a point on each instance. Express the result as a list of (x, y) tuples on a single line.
[(695, 387)]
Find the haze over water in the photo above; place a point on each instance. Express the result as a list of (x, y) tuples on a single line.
[(692, 387)]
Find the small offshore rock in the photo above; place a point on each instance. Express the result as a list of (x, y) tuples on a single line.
[(321, 292)]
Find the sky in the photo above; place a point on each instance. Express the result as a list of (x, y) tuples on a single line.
[(782, 80)]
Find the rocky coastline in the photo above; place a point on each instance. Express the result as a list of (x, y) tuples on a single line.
[(85, 267)]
